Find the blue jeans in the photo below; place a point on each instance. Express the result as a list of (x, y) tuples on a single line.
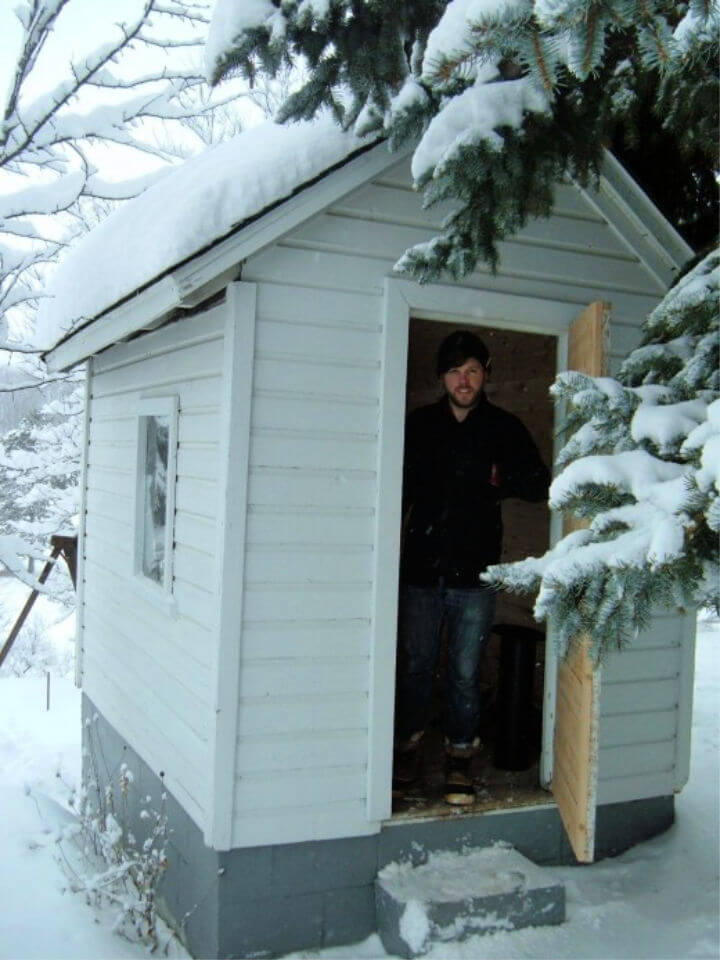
[(469, 616)]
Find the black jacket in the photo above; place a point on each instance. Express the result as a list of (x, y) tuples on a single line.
[(455, 475)]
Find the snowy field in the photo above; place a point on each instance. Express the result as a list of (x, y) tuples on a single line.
[(660, 899)]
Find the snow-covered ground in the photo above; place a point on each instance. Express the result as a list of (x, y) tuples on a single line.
[(659, 899)]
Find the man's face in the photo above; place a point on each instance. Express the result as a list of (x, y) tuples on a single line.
[(464, 384)]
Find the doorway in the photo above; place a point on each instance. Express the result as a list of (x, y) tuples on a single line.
[(523, 368)]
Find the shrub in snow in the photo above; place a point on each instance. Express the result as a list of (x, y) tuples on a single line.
[(642, 466), (109, 864)]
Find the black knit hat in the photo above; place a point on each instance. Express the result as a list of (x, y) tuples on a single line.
[(459, 347)]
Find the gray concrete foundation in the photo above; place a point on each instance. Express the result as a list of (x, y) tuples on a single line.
[(270, 900), (454, 895)]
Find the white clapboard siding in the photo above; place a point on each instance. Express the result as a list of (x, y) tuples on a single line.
[(270, 639), (576, 227), (277, 752), (269, 486), (191, 565), (579, 226), (365, 274), (313, 489), (114, 430), (287, 600), (150, 674), (309, 563), (300, 525), (314, 449), (198, 393), (118, 482), (149, 623), (644, 723), (142, 727), (382, 239), (195, 362), (308, 786), (297, 715), (310, 676), (198, 498), (196, 532), (180, 701), (319, 822), (352, 340), (273, 407)]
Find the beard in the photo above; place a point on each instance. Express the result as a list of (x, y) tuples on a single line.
[(465, 400)]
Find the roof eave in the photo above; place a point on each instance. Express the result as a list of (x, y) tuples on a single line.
[(657, 244), (204, 274)]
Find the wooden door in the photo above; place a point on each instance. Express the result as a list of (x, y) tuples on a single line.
[(577, 707)]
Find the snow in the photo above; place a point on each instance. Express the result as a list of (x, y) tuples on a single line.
[(472, 116), (414, 925), (694, 24), (451, 37), (655, 522), (666, 424), (653, 537), (633, 470), (709, 474), (707, 437), (452, 877), (411, 94), (230, 19), (313, 11), (700, 284), (658, 900), (185, 211)]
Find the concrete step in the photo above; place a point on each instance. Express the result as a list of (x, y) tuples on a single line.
[(455, 895)]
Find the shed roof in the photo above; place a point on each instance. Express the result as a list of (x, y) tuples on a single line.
[(175, 240), (191, 207)]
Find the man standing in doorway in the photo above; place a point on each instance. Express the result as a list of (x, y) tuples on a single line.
[(463, 455)]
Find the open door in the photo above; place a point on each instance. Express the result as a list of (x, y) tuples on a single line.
[(577, 709)]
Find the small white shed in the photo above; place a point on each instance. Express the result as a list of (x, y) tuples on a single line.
[(247, 342)]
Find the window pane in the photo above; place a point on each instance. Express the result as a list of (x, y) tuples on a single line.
[(157, 432)]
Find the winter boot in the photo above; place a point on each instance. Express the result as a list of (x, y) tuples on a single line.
[(459, 790)]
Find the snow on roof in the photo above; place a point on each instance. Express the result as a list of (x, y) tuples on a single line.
[(194, 205)]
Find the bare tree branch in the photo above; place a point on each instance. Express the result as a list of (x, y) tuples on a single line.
[(50, 189), (32, 384), (47, 140)]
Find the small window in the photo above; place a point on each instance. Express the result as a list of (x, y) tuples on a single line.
[(155, 490)]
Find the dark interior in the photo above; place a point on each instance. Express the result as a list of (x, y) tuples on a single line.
[(506, 772)]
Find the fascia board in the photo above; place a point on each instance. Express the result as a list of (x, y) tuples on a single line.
[(214, 262), (629, 210), (141, 312), (208, 272)]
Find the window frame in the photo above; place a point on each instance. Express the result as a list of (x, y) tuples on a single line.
[(148, 407)]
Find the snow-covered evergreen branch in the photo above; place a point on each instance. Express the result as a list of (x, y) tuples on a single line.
[(643, 467), (506, 96)]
